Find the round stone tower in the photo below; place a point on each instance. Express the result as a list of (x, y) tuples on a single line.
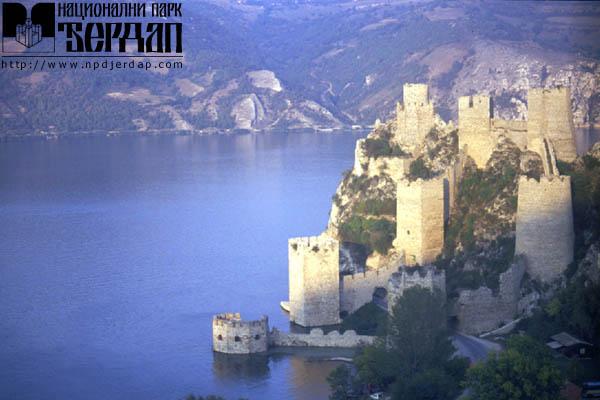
[(234, 336)]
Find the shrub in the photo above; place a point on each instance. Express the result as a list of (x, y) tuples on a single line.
[(384, 206), (418, 169), (367, 320), (376, 147), (375, 234)]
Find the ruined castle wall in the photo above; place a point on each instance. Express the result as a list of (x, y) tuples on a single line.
[(415, 116), (544, 232), (314, 269), (550, 115), (234, 336), (474, 128), (357, 289), (395, 167), (410, 277), (420, 220), (482, 310), (316, 338), (515, 130)]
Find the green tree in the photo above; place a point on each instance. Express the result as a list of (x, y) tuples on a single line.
[(416, 349), (340, 382), (525, 370)]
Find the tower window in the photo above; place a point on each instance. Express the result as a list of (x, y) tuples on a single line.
[(256, 337), (237, 339), (408, 232), (220, 337)]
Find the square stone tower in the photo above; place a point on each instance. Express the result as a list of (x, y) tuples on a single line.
[(314, 279), (474, 127), (420, 220), (414, 116), (550, 115)]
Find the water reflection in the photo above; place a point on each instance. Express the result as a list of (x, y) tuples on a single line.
[(236, 367)]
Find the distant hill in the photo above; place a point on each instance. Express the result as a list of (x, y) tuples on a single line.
[(253, 64)]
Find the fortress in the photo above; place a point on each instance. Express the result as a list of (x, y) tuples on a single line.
[(544, 232), (319, 293), (550, 118), (232, 335)]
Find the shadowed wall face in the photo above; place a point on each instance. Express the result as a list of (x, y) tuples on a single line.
[(474, 114), (420, 220), (544, 232), (314, 280)]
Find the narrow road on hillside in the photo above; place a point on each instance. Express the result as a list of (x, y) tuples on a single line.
[(474, 348)]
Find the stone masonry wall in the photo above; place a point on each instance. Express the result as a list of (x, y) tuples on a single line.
[(234, 336), (420, 220), (549, 114), (314, 269), (474, 127), (316, 338), (357, 290), (515, 130), (482, 310), (406, 278), (544, 232), (415, 116)]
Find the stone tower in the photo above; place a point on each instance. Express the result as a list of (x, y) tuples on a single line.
[(549, 115), (234, 336), (420, 220), (415, 116), (314, 279), (544, 233), (474, 127)]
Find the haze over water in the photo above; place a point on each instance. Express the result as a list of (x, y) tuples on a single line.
[(115, 252)]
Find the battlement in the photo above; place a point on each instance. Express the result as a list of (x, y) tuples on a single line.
[(357, 289), (415, 94), (224, 317), (544, 228), (315, 244), (234, 336), (559, 92), (420, 219), (370, 273), (559, 182), (427, 277), (479, 104), (317, 338), (234, 320)]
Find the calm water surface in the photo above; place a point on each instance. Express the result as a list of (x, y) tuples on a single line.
[(116, 251)]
